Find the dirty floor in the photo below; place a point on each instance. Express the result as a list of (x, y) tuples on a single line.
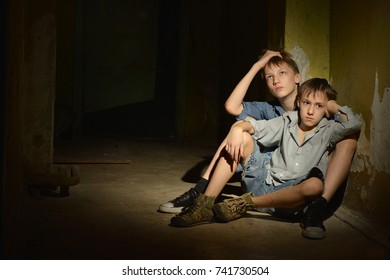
[(112, 213)]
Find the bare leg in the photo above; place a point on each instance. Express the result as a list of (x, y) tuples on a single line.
[(187, 198), (339, 166), (201, 210), (225, 168), (217, 155), (340, 161), (291, 197)]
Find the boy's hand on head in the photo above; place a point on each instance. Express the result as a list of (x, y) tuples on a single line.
[(332, 108), (268, 55), (263, 60)]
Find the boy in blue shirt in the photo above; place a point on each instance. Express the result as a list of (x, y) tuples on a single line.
[(294, 175), (282, 77), (276, 62)]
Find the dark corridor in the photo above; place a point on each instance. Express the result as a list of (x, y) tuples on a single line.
[(203, 49)]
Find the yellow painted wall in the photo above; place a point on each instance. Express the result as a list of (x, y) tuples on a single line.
[(360, 71), (307, 36), (348, 42)]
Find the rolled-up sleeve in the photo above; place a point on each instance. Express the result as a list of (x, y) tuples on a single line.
[(254, 109), (260, 110)]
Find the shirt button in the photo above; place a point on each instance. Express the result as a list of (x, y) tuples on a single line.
[(296, 163)]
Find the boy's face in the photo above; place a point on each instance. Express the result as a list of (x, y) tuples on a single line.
[(312, 108), (281, 80)]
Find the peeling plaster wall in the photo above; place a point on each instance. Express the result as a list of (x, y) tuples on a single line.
[(348, 42), (360, 71), (380, 133), (302, 61), (374, 154), (307, 36)]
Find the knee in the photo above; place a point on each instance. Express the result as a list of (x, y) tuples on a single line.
[(248, 145), (313, 187), (248, 140), (347, 145)]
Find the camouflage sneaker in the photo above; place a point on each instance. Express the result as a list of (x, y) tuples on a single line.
[(233, 208), (198, 213)]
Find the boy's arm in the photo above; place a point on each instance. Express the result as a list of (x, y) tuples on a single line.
[(347, 121), (233, 104), (269, 132), (235, 139), (333, 108)]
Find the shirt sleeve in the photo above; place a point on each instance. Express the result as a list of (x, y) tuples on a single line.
[(268, 132), (343, 128), (254, 109), (260, 110)]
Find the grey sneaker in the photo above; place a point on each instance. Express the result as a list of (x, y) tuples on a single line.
[(176, 205), (198, 213), (233, 208)]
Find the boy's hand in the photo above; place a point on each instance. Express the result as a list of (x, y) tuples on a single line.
[(263, 60), (235, 143), (332, 108), (268, 55)]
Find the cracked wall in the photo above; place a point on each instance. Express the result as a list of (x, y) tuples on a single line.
[(327, 41), (359, 70)]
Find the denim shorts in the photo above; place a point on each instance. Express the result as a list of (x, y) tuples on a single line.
[(255, 171), (254, 175)]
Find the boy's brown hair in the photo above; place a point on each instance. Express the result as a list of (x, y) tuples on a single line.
[(314, 85)]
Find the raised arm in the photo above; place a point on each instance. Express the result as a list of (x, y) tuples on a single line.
[(333, 108), (233, 104), (349, 122)]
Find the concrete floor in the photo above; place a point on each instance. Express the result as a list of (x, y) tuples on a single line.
[(112, 213)]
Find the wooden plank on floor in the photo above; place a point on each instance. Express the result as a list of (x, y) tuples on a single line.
[(92, 161)]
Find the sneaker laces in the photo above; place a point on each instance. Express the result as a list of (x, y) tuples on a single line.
[(313, 217), (183, 197), (193, 208), (238, 205), (190, 209)]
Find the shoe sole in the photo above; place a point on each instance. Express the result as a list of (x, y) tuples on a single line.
[(171, 210), (178, 223), (313, 233)]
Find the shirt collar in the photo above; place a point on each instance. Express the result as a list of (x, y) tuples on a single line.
[(294, 118)]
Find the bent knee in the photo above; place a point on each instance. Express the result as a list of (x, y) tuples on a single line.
[(248, 144), (313, 187), (347, 145), (247, 137)]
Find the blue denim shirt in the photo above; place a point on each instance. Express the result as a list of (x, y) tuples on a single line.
[(261, 110)]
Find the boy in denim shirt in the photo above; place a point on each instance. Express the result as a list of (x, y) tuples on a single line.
[(294, 175)]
